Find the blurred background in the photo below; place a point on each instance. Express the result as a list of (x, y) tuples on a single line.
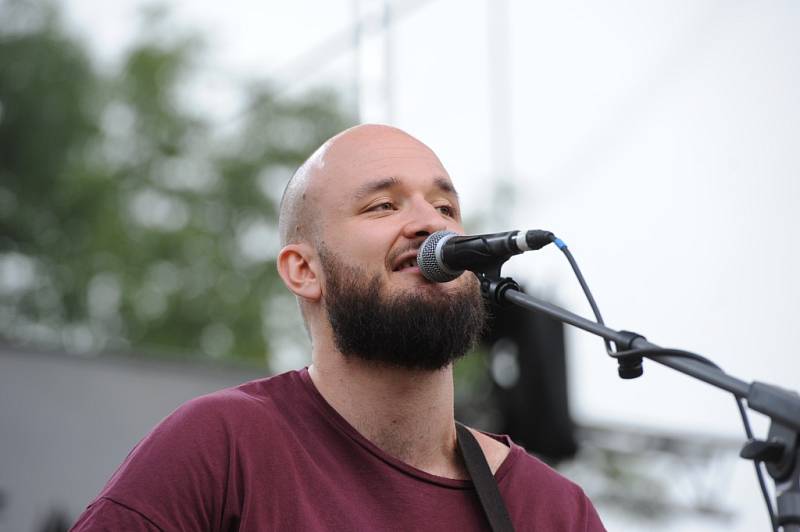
[(144, 147)]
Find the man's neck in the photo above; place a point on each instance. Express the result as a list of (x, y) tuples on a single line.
[(406, 413)]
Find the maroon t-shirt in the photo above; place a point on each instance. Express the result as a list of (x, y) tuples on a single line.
[(273, 455)]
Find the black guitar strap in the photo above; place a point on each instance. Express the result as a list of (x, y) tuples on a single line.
[(484, 481)]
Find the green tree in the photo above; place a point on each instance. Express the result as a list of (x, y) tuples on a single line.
[(126, 221)]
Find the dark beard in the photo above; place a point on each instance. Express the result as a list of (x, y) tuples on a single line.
[(407, 330)]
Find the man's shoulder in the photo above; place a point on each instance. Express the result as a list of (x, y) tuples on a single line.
[(511, 463), (180, 471), (261, 398), (205, 431), (554, 501), (528, 468), (528, 474)]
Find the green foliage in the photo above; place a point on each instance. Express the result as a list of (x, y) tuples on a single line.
[(126, 221)]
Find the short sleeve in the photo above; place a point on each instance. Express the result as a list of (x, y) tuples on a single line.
[(105, 515)]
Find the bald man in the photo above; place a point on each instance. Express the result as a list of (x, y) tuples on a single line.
[(365, 437)]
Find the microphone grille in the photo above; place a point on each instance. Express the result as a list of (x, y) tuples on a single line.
[(429, 264)]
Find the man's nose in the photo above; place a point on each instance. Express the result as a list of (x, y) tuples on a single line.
[(424, 219)]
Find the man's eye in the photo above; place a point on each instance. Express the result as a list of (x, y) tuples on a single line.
[(447, 210), (385, 206)]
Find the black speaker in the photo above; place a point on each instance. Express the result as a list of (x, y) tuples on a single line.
[(527, 362)]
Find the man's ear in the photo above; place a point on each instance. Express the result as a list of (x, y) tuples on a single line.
[(298, 269)]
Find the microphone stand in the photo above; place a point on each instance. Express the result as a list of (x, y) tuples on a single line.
[(780, 451)]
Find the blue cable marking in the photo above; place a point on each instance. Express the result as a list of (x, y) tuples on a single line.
[(560, 243)]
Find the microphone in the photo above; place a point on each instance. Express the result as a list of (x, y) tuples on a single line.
[(444, 255)]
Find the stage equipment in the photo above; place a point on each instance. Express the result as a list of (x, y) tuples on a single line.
[(485, 255)]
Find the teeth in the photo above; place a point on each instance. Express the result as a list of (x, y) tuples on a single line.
[(406, 264)]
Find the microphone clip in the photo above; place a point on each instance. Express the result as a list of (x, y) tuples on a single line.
[(494, 287)]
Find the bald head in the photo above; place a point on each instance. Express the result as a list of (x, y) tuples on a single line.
[(298, 219), (294, 218)]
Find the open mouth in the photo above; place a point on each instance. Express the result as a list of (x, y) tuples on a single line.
[(405, 264), (406, 261)]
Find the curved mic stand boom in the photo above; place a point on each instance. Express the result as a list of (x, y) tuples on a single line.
[(780, 452)]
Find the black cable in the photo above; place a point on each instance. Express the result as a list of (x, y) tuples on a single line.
[(739, 404), (667, 352), (595, 309), (757, 464)]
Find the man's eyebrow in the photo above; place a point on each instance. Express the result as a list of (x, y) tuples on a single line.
[(375, 186), (390, 182), (445, 186)]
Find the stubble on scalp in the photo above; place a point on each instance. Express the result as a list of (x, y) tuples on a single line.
[(296, 220)]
